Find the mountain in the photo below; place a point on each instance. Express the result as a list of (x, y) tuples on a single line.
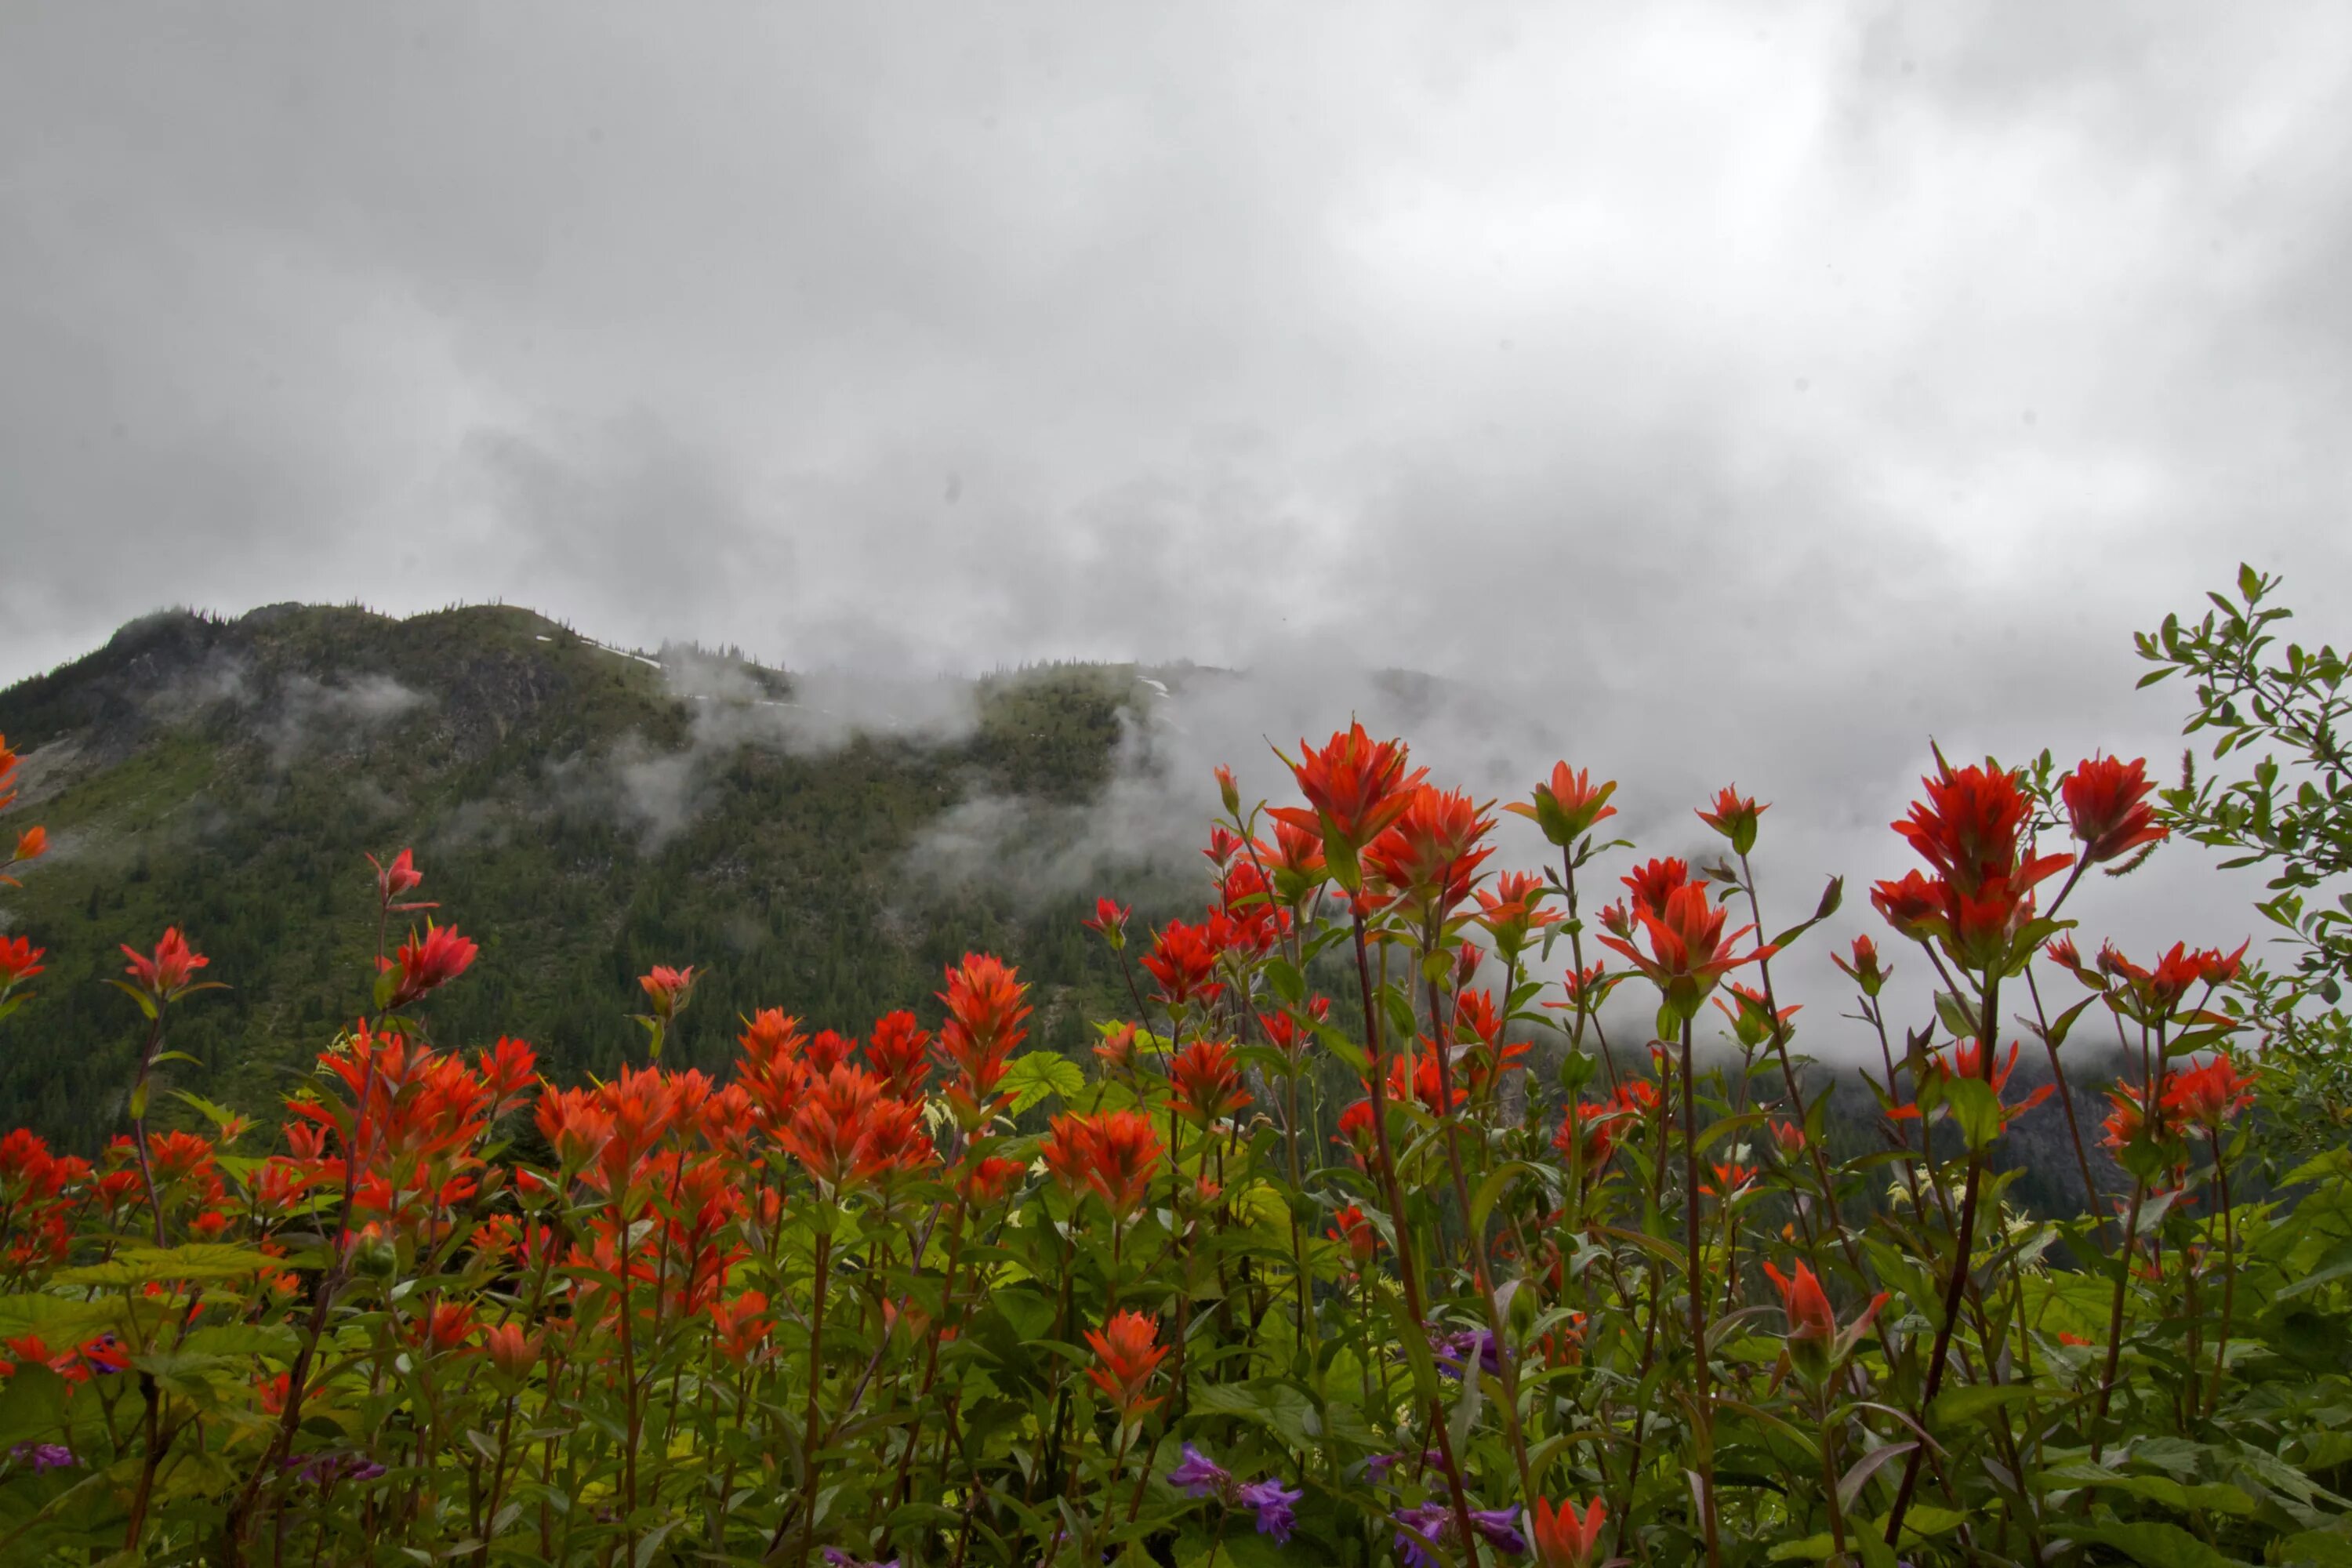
[(808, 840), (585, 811)]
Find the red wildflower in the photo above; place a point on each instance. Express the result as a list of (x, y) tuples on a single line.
[(901, 1052), (1252, 921), (1585, 988), (1295, 862), (1109, 923), (987, 1179), (1566, 1538), (2128, 1121), (667, 989), (1355, 788), (1117, 1052), (444, 1328), (509, 1068), (2158, 989), (1864, 968), (1229, 793), (827, 1051), (1068, 1151), (1688, 952), (1293, 1036), (1651, 883), (2209, 1095), (642, 1106), (739, 1327), (428, 964), (1735, 816), (394, 880), (846, 1132), (1591, 1125), (1123, 1154), (1431, 853), (1478, 1023), (1352, 1229), (1816, 1343), (1790, 1139), (1413, 1075), (1968, 1060), (1753, 1020), (1730, 1180), (32, 844), (2215, 967), (1512, 913), (19, 960), (1127, 1353), (513, 1352), (1205, 1083), (2106, 806), (1912, 905), (1355, 1129), (167, 973), (986, 1003), (575, 1125), (1568, 805), (769, 1067), (1184, 960), (1974, 828)]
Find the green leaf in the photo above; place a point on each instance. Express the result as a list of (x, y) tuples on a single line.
[(1858, 1474), (1347, 1050), (218, 1115), (1957, 1406), (1039, 1076), (32, 1405), (196, 1260), (1285, 1411), (2152, 1543), (1491, 1189), (1976, 1108)]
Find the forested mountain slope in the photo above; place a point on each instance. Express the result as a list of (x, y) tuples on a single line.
[(585, 811)]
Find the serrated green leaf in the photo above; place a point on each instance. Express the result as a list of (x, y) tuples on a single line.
[(1039, 1076)]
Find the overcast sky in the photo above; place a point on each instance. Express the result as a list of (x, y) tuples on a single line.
[(1754, 388)]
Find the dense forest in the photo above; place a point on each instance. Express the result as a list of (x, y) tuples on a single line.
[(578, 805)]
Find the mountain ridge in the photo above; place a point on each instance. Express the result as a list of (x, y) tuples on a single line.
[(584, 810)]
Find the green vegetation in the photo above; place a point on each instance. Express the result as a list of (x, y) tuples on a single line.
[(224, 774)]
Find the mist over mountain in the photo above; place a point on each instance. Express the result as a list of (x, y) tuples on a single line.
[(585, 811), (822, 841)]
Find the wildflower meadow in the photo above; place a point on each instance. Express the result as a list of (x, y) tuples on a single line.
[(1421, 1209)]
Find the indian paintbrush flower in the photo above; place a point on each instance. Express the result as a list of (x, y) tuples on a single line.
[(1128, 1351), (1567, 805), (2107, 809), (1567, 1537), (1816, 1343)]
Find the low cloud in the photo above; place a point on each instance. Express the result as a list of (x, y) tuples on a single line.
[(290, 714)]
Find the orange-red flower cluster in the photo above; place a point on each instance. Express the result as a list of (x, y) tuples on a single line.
[(986, 1005), (1113, 1154)]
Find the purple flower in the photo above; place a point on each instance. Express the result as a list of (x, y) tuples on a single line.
[(1453, 1351), (1274, 1515), (1201, 1477), (1500, 1526), (1430, 1520), (43, 1457), (326, 1469), (836, 1557)]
